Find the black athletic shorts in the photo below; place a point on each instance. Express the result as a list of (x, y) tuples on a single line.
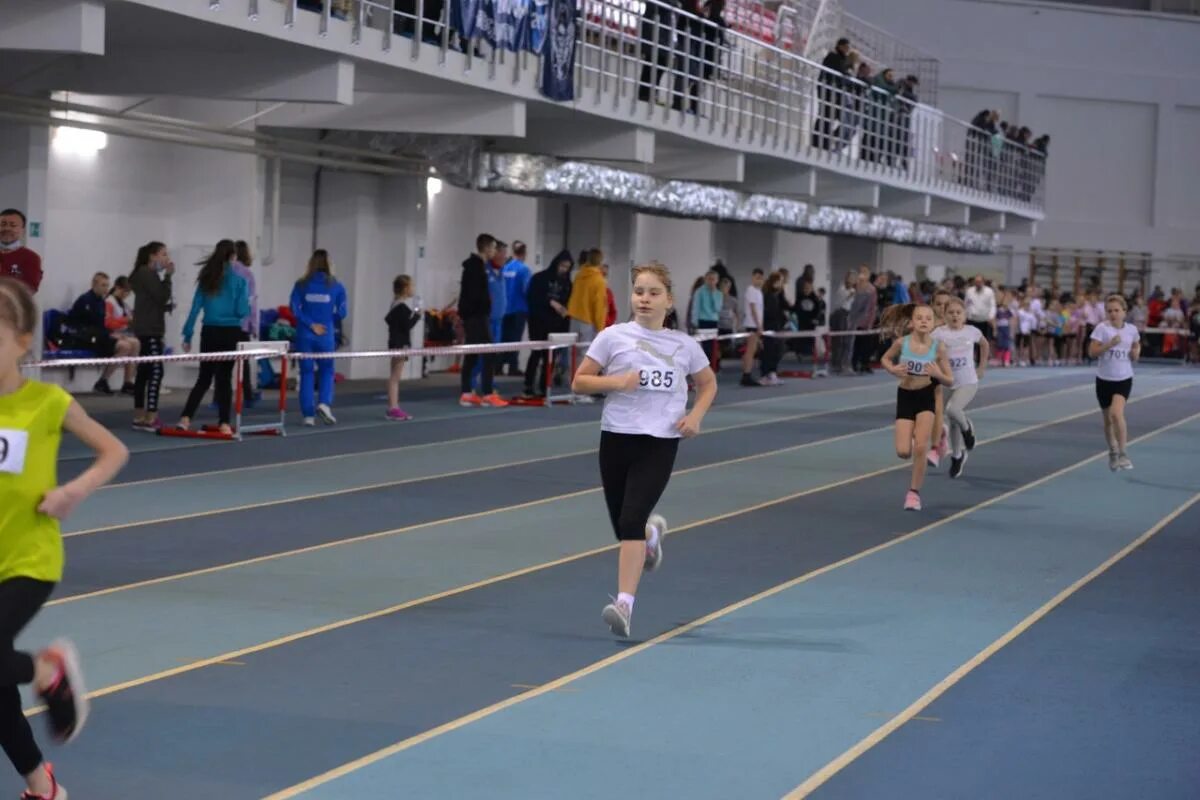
[(1107, 390), (910, 402)]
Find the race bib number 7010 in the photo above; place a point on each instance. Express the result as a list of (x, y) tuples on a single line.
[(13, 445)]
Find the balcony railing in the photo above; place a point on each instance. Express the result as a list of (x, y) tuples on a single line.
[(649, 59)]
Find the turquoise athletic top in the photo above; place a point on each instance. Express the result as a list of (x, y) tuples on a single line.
[(917, 364)]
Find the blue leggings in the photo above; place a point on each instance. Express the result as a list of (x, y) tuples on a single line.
[(324, 369)]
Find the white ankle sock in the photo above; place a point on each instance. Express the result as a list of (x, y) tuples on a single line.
[(627, 599)]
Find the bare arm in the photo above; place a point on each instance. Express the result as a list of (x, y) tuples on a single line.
[(111, 456), (985, 352), (588, 379), (940, 368), (706, 392), (889, 360)]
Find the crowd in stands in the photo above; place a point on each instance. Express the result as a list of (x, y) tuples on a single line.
[(859, 107)]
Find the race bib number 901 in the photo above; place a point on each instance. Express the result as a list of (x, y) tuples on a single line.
[(13, 445), (656, 380)]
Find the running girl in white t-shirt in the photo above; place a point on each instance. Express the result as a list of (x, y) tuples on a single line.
[(1115, 344), (959, 341), (645, 369)]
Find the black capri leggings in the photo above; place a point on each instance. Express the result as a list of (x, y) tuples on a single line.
[(20, 599), (634, 469), (149, 375), (215, 339)]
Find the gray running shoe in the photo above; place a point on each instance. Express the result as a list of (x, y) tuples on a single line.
[(1123, 462), (1114, 461), (654, 557), (617, 617)]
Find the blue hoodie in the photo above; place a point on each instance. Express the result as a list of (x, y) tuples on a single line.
[(516, 283), (498, 293), (227, 308), (319, 300)]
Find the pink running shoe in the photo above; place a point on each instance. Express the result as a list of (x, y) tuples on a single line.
[(943, 445), (912, 501), (933, 458), (398, 414)]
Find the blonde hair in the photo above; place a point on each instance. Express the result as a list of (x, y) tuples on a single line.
[(895, 319), (657, 270), (1118, 299), (955, 300)]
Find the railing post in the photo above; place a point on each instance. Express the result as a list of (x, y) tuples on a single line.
[(326, 8), (356, 26), (252, 10), (289, 13), (389, 14)]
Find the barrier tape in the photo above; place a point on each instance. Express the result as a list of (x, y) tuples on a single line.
[(445, 350)]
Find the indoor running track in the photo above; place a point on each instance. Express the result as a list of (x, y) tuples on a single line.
[(412, 610)]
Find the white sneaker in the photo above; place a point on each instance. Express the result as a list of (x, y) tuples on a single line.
[(617, 617), (310, 422), (654, 558), (326, 414), (1123, 462)]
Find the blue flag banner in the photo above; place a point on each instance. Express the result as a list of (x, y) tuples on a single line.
[(539, 23), (558, 58), (512, 21)]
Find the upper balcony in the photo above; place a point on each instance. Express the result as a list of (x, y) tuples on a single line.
[(657, 91)]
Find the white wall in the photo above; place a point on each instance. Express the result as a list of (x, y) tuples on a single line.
[(685, 246), (1116, 91)]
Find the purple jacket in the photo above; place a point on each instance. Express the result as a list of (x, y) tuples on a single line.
[(250, 323)]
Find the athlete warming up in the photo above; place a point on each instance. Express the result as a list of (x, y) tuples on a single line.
[(1115, 345), (642, 367), (916, 360), (33, 416)]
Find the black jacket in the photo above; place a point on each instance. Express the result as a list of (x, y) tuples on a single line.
[(152, 301), (474, 299), (545, 286)]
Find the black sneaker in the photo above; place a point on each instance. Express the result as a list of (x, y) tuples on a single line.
[(128, 389), (66, 699), (956, 465), (969, 437), (102, 387), (749, 381)]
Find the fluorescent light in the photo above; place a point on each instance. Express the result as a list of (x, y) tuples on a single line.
[(79, 140), (433, 186)]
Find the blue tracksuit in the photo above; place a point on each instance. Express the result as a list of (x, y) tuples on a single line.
[(319, 300)]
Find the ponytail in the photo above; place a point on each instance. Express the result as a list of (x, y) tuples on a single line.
[(894, 320)]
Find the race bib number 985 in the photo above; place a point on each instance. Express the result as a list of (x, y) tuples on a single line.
[(656, 380), (13, 445)]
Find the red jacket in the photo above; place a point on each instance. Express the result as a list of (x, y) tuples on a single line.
[(22, 264), (611, 317)]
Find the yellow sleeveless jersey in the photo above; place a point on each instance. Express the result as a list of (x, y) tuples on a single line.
[(31, 425)]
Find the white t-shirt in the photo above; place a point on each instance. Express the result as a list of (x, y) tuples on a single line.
[(664, 359), (1114, 364), (753, 299), (960, 350)]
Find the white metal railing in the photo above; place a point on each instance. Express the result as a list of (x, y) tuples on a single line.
[(650, 57)]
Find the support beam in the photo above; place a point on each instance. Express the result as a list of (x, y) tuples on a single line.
[(54, 26), (948, 212), (905, 204), (1020, 226), (838, 190), (305, 78), (634, 145), (699, 165), (446, 112), (779, 177), (987, 221)]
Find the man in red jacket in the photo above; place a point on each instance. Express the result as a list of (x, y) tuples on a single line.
[(17, 261)]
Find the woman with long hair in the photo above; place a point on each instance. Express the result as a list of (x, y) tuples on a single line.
[(319, 303), (151, 284), (223, 298)]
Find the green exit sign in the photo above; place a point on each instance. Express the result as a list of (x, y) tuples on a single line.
[(35, 230)]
